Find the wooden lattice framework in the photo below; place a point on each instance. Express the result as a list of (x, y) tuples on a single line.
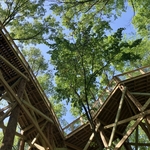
[(125, 110)]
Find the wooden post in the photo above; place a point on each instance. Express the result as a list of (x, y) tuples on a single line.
[(117, 118), (21, 142), (12, 124)]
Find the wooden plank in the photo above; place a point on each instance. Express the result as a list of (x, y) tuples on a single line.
[(145, 105), (32, 112), (139, 93), (128, 133), (147, 112), (14, 68), (39, 147), (32, 126), (133, 99)]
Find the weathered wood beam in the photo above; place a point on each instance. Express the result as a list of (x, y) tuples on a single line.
[(37, 111), (134, 100), (128, 133), (139, 93), (117, 117), (14, 68), (145, 105), (27, 99), (25, 109), (34, 140), (147, 112), (104, 138), (8, 112)]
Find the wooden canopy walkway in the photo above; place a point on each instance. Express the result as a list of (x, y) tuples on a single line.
[(125, 110)]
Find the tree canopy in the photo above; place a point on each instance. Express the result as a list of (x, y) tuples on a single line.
[(83, 47)]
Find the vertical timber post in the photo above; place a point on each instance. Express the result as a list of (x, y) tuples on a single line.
[(9, 135)]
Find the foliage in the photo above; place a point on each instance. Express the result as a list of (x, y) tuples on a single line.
[(41, 70), (81, 63), (27, 20)]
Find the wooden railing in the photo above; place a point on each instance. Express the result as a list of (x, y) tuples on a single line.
[(132, 74)]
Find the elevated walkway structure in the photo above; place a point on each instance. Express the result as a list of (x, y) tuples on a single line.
[(126, 109)]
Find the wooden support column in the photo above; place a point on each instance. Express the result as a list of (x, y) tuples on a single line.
[(117, 118), (129, 132), (12, 124), (21, 142)]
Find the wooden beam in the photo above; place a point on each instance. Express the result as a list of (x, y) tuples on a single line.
[(25, 109), (33, 141), (27, 99), (14, 68), (39, 147), (128, 133), (147, 112), (133, 99), (145, 105), (8, 112), (37, 111), (104, 138), (117, 117)]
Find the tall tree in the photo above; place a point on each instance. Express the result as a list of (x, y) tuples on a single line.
[(85, 64)]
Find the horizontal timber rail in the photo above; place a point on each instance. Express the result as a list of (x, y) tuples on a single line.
[(132, 74)]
